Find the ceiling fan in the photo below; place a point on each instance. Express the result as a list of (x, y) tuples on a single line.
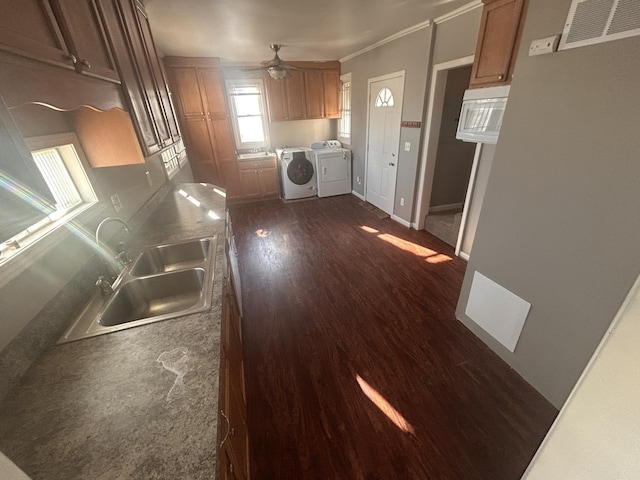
[(276, 67)]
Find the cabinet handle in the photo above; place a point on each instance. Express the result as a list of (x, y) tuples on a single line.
[(85, 63), (201, 113), (230, 467), (500, 77), (73, 58), (228, 428)]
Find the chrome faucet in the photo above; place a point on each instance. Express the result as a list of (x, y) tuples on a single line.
[(120, 259)]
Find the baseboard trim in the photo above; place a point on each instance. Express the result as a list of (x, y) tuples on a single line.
[(464, 256), (401, 221), (361, 197), (444, 208)]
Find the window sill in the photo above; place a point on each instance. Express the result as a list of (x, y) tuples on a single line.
[(34, 248)]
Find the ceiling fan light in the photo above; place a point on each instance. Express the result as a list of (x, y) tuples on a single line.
[(277, 73)]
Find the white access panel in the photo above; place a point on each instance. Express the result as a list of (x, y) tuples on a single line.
[(498, 311)]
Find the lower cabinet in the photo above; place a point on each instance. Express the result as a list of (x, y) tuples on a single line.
[(259, 179), (233, 454)]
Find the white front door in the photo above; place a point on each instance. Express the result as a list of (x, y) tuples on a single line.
[(385, 113)]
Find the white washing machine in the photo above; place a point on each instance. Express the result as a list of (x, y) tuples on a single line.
[(297, 173), (333, 167)]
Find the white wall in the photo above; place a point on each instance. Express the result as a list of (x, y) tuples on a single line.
[(595, 435)]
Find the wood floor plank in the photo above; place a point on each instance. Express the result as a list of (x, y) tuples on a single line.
[(332, 294)]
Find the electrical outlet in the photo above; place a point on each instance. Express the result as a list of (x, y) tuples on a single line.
[(402, 201), (115, 201), (358, 180), (149, 179), (407, 146), (543, 46)]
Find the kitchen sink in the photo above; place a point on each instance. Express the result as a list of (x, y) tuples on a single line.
[(167, 258), (156, 297), (165, 282)]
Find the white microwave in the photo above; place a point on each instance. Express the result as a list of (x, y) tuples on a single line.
[(481, 114)]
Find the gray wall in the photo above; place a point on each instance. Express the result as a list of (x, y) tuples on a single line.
[(455, 157), (559, 225), (409, 53)]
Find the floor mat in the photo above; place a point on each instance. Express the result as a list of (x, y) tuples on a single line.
[(373, 209)]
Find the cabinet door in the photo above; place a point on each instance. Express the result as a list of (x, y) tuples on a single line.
[(224, 145), (331, 83), (268, 179), (314, 94), (201, 157), (249, 182), (157, 91), (294, 88), (29, 28), (187, 91), (276, 99), (82, 24), (212, 91), (497, 42)]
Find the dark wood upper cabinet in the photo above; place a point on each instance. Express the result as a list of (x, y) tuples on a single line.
[(65, 33), (498, 40), (314, 94), (331, 91), (213, 91), (32, 30)]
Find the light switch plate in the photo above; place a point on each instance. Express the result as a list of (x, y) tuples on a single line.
[(543, 46), (407, 146)]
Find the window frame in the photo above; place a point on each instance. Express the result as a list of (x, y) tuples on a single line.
[(45, 234), (256, 82), (344, 122)]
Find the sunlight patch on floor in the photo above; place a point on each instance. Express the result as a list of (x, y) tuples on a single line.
[(384, 406), (430, 256)]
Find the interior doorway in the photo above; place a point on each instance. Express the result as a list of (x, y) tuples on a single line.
[(383, 139), (453, 163)]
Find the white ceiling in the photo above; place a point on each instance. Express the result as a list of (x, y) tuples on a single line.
[(241, 30)]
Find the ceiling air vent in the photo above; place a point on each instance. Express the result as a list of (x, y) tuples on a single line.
[(597, 21)]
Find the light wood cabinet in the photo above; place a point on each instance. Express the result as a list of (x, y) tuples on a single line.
[(259, 179), (498, 40), (64, 33), (233, 454), (313, 92), (202, 110)]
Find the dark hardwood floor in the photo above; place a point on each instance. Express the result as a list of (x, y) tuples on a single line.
[(335, 297)]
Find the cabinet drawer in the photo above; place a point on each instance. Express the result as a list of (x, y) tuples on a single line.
[(257, 164)]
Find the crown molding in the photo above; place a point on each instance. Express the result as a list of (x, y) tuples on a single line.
[(458, 11), (395, 36)]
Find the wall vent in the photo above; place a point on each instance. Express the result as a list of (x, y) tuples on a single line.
[(596, 21)]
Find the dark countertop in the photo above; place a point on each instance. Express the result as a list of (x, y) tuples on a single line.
[(106, 407)]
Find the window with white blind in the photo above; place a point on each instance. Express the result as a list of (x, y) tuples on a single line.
[(344, 123), (246, 100), (58, 160)]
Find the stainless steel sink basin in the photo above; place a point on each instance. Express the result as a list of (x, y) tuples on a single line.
[(154, 297), (167, 258), (165, 281)]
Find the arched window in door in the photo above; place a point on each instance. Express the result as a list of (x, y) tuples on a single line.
[(384, 98)]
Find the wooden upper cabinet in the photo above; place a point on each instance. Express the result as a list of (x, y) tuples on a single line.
[(186, 91), (30, 28), (83, 26), (66, 33), (314, 94), (310, 93), (498, 40), (213, 91), (331, 90), (294, 89), (276, 99)]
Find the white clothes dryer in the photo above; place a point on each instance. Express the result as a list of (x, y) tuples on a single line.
[(333, 167), (297, 173)]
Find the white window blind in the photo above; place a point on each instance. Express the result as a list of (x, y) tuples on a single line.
[(344, 124)]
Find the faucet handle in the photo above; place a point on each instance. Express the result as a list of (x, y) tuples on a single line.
[(122, 256), (105, 286)]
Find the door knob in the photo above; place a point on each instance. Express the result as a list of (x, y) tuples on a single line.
[(392, 164), (393, 154)]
